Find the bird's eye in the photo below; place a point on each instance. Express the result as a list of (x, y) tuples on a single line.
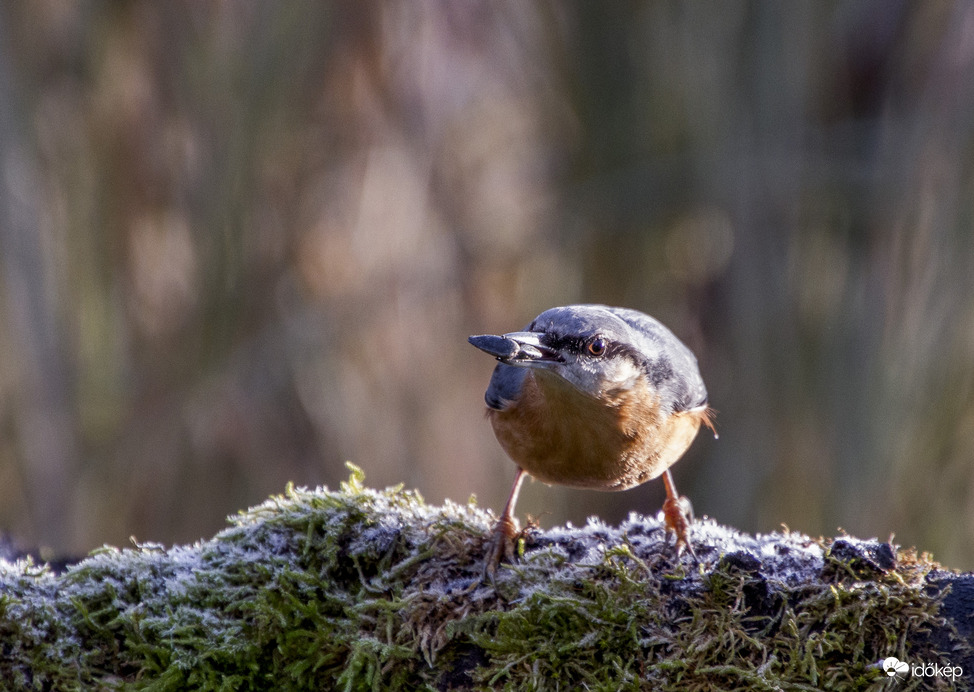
[(597, 346)]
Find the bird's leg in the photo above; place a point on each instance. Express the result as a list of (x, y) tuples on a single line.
[(678, 514), (505, 530)]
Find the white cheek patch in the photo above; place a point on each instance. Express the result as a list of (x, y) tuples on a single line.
[(600, 377), (622, 373)]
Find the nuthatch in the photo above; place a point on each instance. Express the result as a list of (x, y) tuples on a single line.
[(595, 397)]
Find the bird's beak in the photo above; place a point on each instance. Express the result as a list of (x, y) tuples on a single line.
[(517, 348)]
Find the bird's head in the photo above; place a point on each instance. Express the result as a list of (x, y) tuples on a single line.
[(601, 351)]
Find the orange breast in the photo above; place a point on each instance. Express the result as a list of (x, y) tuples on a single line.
[(560, 435)]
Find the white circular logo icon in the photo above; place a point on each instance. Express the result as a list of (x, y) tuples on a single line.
[(893, 666)]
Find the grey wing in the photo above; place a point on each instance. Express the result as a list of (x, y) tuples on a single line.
[(505, 386), (689, 393)]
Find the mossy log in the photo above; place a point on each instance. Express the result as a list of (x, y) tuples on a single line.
[(366, 590)]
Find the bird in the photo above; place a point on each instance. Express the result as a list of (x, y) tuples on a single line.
[(597, 397)]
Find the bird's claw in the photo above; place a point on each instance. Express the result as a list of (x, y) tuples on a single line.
[(678, 515), (502, 545)]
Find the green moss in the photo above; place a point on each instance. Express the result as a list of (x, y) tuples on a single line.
[(627, 628), (366, 590)]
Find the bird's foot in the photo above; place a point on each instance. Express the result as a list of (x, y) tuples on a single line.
[(678, 515), (502, 545)]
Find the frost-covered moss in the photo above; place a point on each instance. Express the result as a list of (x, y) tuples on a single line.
[(364, 590)]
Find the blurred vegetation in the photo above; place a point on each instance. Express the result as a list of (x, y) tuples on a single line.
[(243, 242)]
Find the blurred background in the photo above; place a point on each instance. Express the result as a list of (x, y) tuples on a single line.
[(242, 243)]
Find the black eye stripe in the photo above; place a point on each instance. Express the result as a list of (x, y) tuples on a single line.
[(580, 345), (561, 343), (660, 371), (570, 343)]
